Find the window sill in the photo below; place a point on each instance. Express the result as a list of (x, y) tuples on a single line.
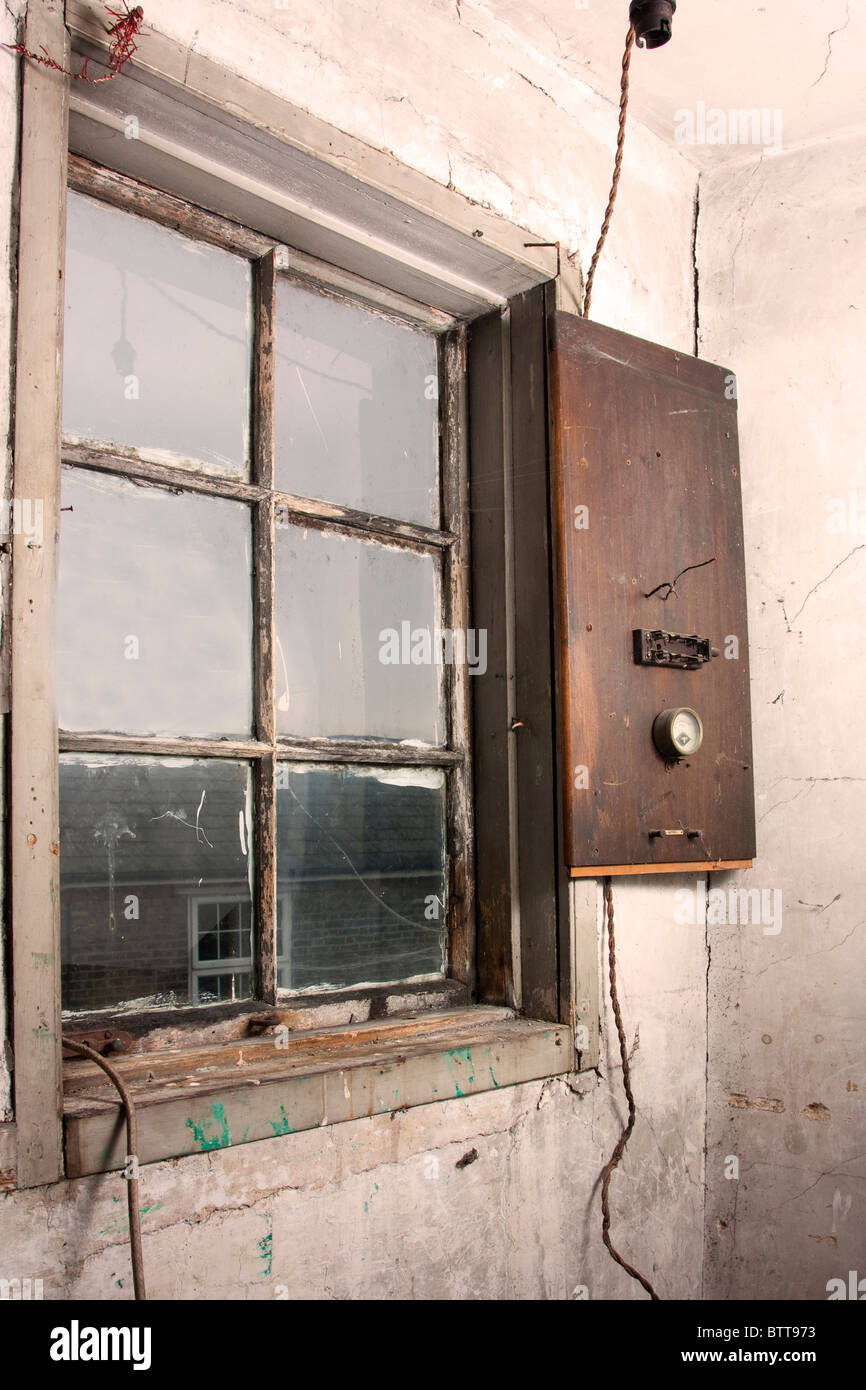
[(199, 1099)]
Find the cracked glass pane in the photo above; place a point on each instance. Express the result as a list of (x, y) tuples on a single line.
[(154, 611), (352, 659), (357, 410), (155, 872), (157, 340), (361, 861)]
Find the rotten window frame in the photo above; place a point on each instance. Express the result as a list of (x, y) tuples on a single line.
[(448, 542)]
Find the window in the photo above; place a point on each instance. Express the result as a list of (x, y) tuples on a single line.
[(301, 383), (262, 737)]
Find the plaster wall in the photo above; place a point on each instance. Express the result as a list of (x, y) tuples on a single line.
[(782, 297)]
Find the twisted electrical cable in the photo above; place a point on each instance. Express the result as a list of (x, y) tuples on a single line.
[(617, 168)]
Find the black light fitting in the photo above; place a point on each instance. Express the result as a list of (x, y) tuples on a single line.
[(652, 20)]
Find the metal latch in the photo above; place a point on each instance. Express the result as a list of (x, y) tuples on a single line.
[(654, 647)]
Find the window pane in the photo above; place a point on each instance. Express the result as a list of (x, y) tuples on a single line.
[(157, 344), (356, 407), (140, 840), (154, 613), (336, 676), (361, 856)]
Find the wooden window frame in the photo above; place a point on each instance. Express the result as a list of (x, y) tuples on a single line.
[(521, 955), (447, 542)]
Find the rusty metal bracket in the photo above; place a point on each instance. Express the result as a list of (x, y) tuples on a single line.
[(101, 1040)]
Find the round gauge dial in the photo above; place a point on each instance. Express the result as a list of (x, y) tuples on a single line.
[(677, 733)]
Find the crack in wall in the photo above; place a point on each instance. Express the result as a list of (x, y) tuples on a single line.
[(840, 29), (837, 566)]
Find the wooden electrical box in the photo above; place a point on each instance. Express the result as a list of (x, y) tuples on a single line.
[(651, 600)]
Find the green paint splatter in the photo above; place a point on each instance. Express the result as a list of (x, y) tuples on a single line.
[(456, 1055), (219, 1140), (281, 1126), (119, 1225), (266, 1246), (493, 1078)]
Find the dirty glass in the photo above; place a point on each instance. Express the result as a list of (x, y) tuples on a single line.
[(361, 859), (157, 340), (155, 873), (154, 610), (356, 407), (352, 658)]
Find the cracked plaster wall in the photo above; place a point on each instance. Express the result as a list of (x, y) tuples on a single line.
[(782, 301), (362, 1209)]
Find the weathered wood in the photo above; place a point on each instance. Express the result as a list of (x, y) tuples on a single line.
[(130, 195), (308, 1091), (376, 754), (184, 476), (189, 476), (259, 1048), (34, 832), (455, 502), (541, 877), (315, 751), (264, 839), (489, 699), (645, 440), (265, 906), (161, 747), (331, 516)]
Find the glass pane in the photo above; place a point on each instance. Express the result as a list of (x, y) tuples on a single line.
[(157, 344), (142, 841), (154, 612), (357, 411), (361, 856), (343, 608)]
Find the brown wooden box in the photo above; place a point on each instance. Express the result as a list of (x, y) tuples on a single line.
[(646, 440)]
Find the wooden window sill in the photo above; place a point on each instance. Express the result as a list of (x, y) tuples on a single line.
[(195, 1100)]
